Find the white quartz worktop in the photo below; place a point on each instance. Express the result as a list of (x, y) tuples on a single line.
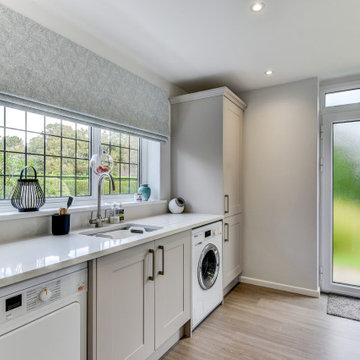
[(25, 259)]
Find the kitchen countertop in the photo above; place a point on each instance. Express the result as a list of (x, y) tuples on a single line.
[(27, 258)]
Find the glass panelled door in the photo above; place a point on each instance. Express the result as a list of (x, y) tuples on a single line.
[(340, 206), (346, 203)]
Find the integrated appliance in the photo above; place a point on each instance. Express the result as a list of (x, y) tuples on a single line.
[(207, 290), (45, 318)]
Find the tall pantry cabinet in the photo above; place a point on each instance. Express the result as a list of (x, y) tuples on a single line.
[(206, 140)]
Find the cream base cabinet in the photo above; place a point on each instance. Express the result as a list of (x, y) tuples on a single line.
[(172, 285), (142, 298), (125, 305), (232, 248)]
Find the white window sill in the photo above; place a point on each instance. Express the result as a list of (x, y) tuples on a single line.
[(16, 215)]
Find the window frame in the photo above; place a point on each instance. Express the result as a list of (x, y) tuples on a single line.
[(333, 86), (27, 132), (96, 141), (84, 200)]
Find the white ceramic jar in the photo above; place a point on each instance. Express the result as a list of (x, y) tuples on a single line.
[(177, 205)]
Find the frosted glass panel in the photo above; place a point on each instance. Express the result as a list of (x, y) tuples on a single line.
[(342, 98), (346, 203)]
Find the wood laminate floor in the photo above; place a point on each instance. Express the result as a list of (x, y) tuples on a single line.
[(259, 323)]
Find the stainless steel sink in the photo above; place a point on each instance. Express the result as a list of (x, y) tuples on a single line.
[(121, 231)]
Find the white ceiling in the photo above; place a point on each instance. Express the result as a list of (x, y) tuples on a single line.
[(198, 44)]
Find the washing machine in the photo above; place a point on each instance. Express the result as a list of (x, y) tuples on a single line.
[(45, 317), (207, 291)]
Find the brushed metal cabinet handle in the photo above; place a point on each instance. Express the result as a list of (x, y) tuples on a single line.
[(152, 277), (226, 238), (162, 271), (227, 204)]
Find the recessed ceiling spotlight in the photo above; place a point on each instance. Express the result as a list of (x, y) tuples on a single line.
[(257, 6), (268, 72)]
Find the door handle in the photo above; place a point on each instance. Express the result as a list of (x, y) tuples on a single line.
[(226, 238), (162, 271), (152, 277), (227, 204)]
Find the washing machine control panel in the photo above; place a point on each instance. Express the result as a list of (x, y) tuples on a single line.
[(13, 302), (206, 233)]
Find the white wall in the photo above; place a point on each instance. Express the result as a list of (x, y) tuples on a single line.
[(280, 186)]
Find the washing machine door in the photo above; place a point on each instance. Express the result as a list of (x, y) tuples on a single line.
[(208, 267)]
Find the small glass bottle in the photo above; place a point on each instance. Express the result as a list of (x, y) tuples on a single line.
[(114, 218)]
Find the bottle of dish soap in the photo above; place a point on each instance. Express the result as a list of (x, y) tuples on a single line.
[(114, 218), (118, 212)]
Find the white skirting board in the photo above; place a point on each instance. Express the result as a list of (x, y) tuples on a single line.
[(279, 286)]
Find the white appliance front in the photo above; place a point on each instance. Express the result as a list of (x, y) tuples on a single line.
[(207, 291), (45, 318), (55, 336)]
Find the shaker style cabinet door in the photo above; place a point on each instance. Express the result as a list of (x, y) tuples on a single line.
[(232, 248), (172, 285), (125, 304), (232, 158)]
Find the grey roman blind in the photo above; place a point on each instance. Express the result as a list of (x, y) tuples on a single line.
[(42, 70)]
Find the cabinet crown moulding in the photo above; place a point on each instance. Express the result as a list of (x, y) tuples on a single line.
[(221, 91)]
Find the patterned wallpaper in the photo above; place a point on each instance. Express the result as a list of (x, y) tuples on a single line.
[(38, 64)]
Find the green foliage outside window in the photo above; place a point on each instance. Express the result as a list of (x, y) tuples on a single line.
[(60, 151), (124, 149)]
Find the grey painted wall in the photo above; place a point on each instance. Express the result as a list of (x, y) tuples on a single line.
[(62, 26), (280, 184), (38, 64)]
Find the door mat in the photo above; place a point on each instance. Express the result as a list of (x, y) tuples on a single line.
[(344, 306)]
